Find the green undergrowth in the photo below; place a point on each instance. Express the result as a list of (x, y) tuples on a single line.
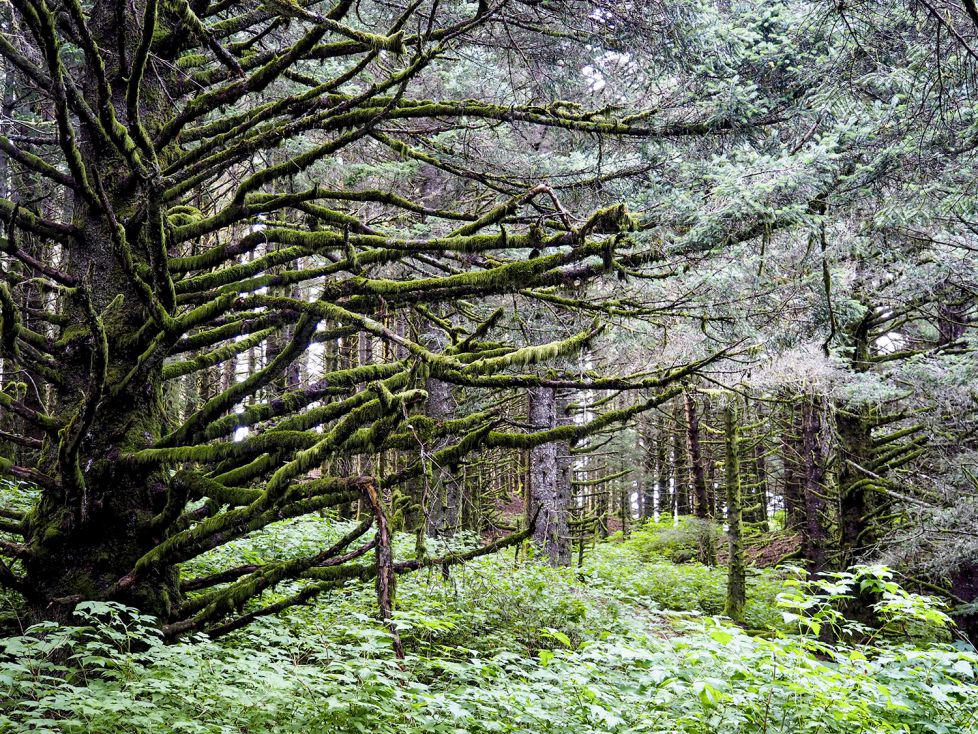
[(641, 568), (506, 645)]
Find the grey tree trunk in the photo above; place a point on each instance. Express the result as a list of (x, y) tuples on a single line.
[(549, 485), (444, 512), (680, 475)]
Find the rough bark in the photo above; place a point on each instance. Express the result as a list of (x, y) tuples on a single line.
[(444, 511), (854, 429), (815, 540), (649, 494), (549, 488)]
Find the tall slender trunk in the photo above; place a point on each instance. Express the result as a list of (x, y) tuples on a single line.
[(680, 476), (736, 570), (760, 494), (662, 504), (697, 474), (647, 494), (791, 459)]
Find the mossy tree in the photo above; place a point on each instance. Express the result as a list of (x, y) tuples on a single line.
[(184, 244)]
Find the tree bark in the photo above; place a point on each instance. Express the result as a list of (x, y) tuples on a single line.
[(736, 570), (680, 476), (697, 473), (791, 460), (814, 535), (549, 488)]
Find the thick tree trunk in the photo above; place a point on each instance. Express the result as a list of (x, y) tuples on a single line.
[(854, 432), (549, 488), (814, 535), (697, 479), (87, 535)]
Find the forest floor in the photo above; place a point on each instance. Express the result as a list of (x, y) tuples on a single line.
[(629, 642)]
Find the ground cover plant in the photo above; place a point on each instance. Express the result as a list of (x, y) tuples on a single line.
[(488, 365), (502, 646)]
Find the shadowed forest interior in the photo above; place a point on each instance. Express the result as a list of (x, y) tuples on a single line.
[(493, 366)]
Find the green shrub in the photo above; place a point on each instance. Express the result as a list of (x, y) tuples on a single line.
[(637, 570), (679, 541), (500, 647)]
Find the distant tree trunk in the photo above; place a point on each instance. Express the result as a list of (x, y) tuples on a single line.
[(760, 496), (814, 536), (662, 504), (952, 321), (444, 506), (697, 475), (680, 477), (346, 358), (647, 496), (712, 486), (549, 495), (792, 462), (737, 572)]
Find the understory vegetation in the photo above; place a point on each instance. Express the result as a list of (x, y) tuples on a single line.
[(464, 366), (628, 642)]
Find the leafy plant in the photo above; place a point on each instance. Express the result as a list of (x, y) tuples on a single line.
[(502, 647)]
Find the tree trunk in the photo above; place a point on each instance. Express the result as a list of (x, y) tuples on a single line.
[(760, 495), (680, 477), (647, 496), (445, 504), (662, 504), (854, 432), (697, 473), (87, 535), (791, 460), (814, 536), (736, 570), (549, 488)]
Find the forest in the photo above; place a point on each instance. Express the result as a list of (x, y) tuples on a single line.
[(474, 366)]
